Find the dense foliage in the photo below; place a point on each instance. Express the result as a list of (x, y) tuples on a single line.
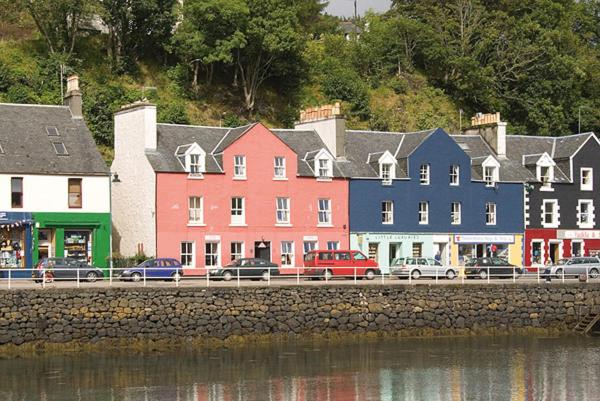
[(231, 61)]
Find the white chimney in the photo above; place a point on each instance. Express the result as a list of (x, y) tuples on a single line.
[(135, 125), (491, 129), (73, 97), (327, 121)]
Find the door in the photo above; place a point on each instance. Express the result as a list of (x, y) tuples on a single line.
[(554, 252), (395, 251), (441, 250), (262, 250)]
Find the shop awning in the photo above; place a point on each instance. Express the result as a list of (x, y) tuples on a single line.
[(14, 223)]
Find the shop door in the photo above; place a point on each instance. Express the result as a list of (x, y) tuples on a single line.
[(395, 251), (441, 248), (262, 250), (554, 252), (481, 251), (374, 251)]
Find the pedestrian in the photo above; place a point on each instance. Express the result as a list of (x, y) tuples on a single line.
[(438, 257)]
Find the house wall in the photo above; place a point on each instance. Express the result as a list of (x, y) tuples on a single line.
[(133, 199), (260, 191)]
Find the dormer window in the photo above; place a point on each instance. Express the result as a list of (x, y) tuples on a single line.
[(195, 165), (192, 158), (545, 170), (424, 174), (323, 165), (544, 174), (387, 168), (324, 168), (491, 171)]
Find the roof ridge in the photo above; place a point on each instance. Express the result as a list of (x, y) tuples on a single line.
[(60, 106), (195, 126)]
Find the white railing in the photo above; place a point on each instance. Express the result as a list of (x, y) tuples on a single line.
[(242, 276)]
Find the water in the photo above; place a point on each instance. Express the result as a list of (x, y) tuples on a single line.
[(485, 368)]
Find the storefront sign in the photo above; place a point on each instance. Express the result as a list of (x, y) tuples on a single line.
[(394, 237), (483, 239), (578, 234)]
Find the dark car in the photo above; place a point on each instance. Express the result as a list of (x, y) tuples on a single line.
[(66, 269), (492, 267), (161, 268), (252, 268)]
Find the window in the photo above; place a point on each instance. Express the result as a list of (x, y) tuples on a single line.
[(587, 179), (386, 173), (195, 212), (279, 169), (423, 212), (490, 214), (324, 211), (237, 211), (237, 250), (454, 175), (424, 174), (490, 175), (52, 131), (586, 213), (358, 256), (283, 210), (333, 245), (387, 212), (239, 166), (195, 163), (16, 189), (74, 192), (187, 254), (211, 254), (325, 168), (544, 175), (455, 213), (287, 253), (550, 213), (309, 246), (60, 148)]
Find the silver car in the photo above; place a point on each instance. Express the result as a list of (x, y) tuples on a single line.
[(421, 267), (574, 267)]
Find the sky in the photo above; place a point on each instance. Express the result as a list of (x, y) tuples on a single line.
[(345, 8)]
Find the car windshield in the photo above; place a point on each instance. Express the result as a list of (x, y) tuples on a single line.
[(398, 262), (564, 262)]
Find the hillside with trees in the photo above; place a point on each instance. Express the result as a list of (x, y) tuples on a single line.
[(226, 62)]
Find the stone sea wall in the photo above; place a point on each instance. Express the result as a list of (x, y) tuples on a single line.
[(96, 314)]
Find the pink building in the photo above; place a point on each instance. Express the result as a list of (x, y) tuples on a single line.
[(208, 195)]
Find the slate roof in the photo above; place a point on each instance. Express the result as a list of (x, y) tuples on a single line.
[(28, 149)]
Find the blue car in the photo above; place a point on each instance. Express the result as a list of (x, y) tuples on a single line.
[(162, 268)]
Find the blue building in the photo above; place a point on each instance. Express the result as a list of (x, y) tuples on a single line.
[(417, 194)]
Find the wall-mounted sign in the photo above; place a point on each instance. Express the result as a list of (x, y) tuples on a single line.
[(212, 238), (484, 239), (578, 234)]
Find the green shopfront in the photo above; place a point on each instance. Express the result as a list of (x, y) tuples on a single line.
[(82, 236)]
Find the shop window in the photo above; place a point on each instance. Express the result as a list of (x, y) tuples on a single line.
[(12, 247), (537, 253), (187, 254), (417, 249), (577, 248), (78, 245), (75, 200), (16, 188)]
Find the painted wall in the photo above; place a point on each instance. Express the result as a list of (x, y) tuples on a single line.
[(440, 151), (548, 236), (260, 191), (133, 199), (50, 193)]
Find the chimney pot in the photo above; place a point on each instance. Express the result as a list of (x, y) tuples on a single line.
[(72, 83)]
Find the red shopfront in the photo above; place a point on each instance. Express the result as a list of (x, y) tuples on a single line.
[(547, 246)]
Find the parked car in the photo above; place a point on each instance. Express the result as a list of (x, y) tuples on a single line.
[(574, 267), (421, 267), (330, 264), (247, 268), (492, 266), (162, 268), (66, 269)]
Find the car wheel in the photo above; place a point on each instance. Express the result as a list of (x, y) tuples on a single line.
[(450, 274), (558, 273), (328, 274), (594, 273), (136, 277), (176, 276), (91, 277), (415, 274), (483, 275), (265, 275), (369, 274), (227, 276)]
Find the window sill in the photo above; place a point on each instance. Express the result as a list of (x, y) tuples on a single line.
[(490, 224), (386, 183), (423, 223), (455, 185), (240, 178), (585, 226), (280, 178), (324, 179), (283, 225), (195, 177), (587, 189), (238, 225), (387, 224), (196, 225), (545, 188), (455, 224), (324, 225)]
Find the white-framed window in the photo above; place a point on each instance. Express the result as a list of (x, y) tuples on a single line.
[(454, 174), (585, 213), (325, 170), (455, 213), (212, 254), (236, 250), (424, 178), (387, 212), (587, 179), (490, 174), (423, 212), (490, 214), (385, 173), (195, 210), (309, 246), (333, 245), (279, 167), (324, 212), (550, 213), (238, 214), (239, 166), (545, 175), (287, 253), (187, 254), (195, 163), (283, 210)]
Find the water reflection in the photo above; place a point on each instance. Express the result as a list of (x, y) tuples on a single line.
[(434, 370)]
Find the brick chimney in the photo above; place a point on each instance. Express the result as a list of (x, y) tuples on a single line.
[(73, 97), (328, 122), (491, 129)]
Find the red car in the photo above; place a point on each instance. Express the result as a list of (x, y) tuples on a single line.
[(330, 264)]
